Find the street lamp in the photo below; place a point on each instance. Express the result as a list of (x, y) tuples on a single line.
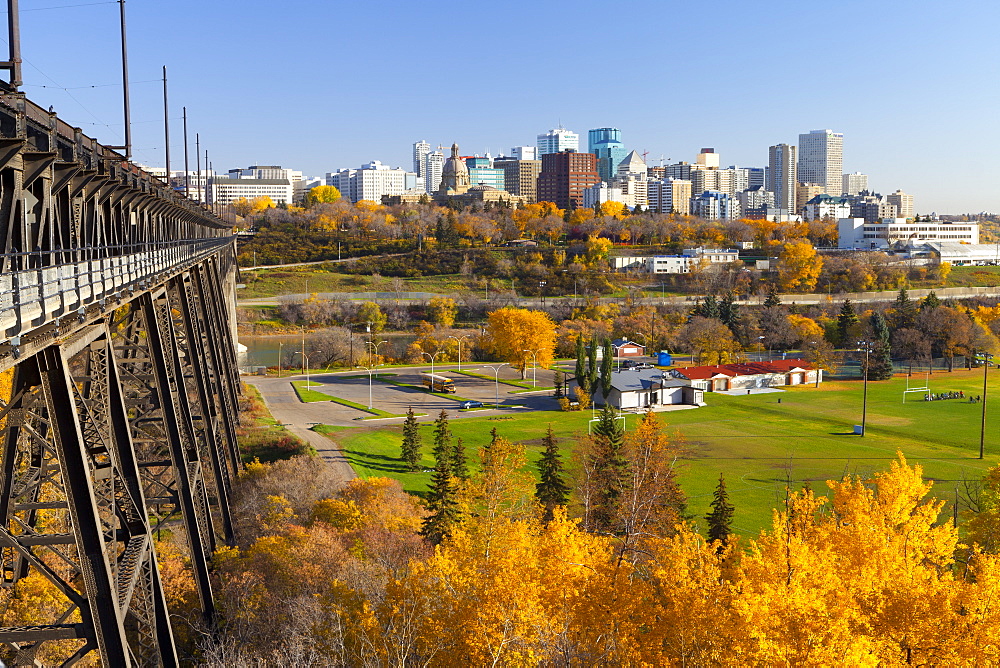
[(534, 365), (541, 291), (305, 365), (459, 339), (496, 380), (433, 357), (867, 347), (375, 348), (370, 370), (761, 339), (279, 359), (986, 357)]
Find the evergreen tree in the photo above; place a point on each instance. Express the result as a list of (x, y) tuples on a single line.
[(459, 461), (729, 311), (607, 366), (592, 365), (611, 470), (441, 502), (905, 316), (773, 299), (551, 490), (880, 357), (581, 363), (929, 302), (722, 513), (442, 438), (558, 378), (845, 321), (411, 441), (708, 308)]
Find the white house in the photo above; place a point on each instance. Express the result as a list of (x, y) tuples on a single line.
[(644, 388)]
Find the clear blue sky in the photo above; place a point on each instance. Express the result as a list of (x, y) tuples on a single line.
[(319, 85)]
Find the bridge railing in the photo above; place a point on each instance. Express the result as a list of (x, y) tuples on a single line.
[(50, 287)]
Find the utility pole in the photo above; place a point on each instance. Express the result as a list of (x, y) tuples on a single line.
[(187, 180), (166, 125), (197, 158), (13, 64)]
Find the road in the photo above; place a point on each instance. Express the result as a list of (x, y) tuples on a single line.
[(298, 417), (653, 298)]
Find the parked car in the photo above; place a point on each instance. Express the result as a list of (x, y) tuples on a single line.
[(471, 404)]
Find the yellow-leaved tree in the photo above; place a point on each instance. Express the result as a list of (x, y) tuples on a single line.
[(513, 334), (799, 266)]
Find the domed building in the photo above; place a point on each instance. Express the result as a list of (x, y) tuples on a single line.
[(454, 175)]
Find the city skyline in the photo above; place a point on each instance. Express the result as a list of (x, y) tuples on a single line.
[(252, 107)]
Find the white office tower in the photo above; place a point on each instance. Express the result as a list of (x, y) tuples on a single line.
[(557, 141), (854, 183), (782, 175), (821, 160), (903, 202), (372, 182), (524, 153), (420, 151), (433, 168)]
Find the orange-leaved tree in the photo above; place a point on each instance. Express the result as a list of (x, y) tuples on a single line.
[(513, 334)]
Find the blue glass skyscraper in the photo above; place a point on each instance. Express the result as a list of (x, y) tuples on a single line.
[(606, 144)]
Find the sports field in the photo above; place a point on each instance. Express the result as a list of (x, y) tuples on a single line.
[(761, 445)]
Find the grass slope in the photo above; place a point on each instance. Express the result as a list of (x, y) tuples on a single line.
[(760, 445)]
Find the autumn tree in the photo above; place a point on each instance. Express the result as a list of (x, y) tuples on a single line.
[(442, 311), (551, 490), (322, 195), (709, 341), (371, 314), (411, 441), (721, 517), (799, 266), (512, 332)]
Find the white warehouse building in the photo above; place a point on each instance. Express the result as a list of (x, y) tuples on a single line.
[(879, 235)]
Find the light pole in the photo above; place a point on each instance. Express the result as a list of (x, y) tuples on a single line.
[(370, 370), (496, 380), (305, 365), (375, 348), (534, 366), (433, 357), (459, 339), (761, 339), (541, 291), (865, 346), (279, 359), (986, 357)]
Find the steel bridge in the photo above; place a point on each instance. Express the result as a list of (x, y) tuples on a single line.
[(118, 393)]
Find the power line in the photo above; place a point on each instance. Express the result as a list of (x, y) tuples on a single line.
[(91, 86)]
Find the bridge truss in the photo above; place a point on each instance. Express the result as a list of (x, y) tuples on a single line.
[(118, 393)]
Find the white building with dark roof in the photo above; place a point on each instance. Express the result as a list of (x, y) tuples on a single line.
[(639, 389)]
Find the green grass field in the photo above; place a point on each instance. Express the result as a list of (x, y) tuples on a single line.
[(761, 445)]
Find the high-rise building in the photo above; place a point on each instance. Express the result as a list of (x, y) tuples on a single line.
[(821, 160), (708, 158), (520, 177), (632, 164), (782, 178), (854, 183), (433, 166), (714, 205), (805, 192), (524, 153), (755, 177), (420, 151), (371, 182), (669, 196), (903, 202), (557, 141), (606, 144), (565, 176), (483, 173), (755, 201)]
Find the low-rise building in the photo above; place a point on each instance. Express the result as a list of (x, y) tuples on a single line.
[(639, 389), (826, 206), (859, 234), (371, 182), (748, 376), (676, 264)]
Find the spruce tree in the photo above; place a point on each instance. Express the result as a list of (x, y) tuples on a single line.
[(581, 363), (729, 311), (558, 378), (442, 438), (880, 357), (930, 302), (905, 316), (411, 441), (722, 513), (441, 502), (459, 461), (551, 490), (607, 366), (710, 307), (773, 299), (845, 322), (611, 470)]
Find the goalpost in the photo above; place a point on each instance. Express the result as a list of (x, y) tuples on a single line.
[(925, 389)]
